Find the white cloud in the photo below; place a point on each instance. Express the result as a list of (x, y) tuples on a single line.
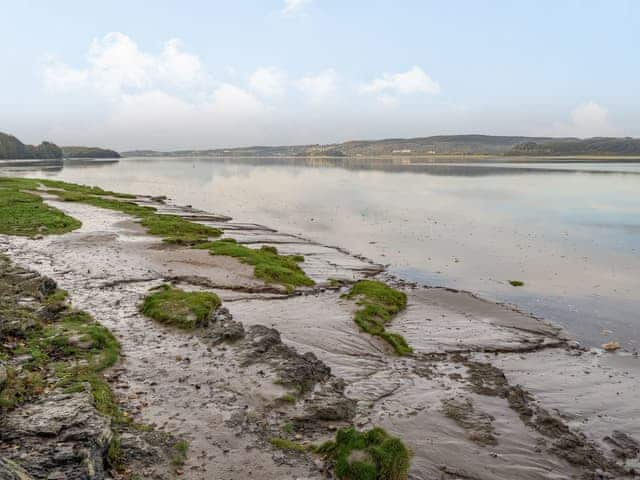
[(268, 82), (177, 66), (586, 120), (388, 101), (291, 7), (61, 77), (414, 80), (115, 65), (231, 100), (319, 87), (230, 116)]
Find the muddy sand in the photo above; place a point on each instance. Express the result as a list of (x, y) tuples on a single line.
[(489, 393)]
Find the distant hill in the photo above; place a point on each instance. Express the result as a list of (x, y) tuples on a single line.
[(12, 148), (89, 152), (576, 146), (427, 146)]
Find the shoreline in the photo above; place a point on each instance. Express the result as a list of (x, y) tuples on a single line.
[(451, 332), (498, 158)]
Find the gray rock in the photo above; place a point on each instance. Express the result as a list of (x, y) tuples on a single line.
[(11, 471), (62, 434), (623, 446), (3, 375), (222, 327), (47, 286), (328, 402)]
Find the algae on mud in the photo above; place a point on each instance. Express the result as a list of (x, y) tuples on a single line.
[(268, 264), (25, 214), (380, 303), (371, 455), (172, 228), (181, 309), (57, 346)]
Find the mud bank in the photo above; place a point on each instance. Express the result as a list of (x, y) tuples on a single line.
[(489, 392)]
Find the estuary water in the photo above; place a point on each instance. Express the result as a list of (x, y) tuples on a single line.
[(570, 231)]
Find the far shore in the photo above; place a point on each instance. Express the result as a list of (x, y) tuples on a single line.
[(434, 158)]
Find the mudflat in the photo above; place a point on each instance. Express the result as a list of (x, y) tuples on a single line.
[(488, 392)]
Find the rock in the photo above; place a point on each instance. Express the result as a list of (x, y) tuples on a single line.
[(611, 346), (79, 342), (623, 446), (47, 286), (222, 327), (10, 471), (302, 371), (62, 434), (328, 402), (3, 376)]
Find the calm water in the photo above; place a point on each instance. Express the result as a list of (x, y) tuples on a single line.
[(570, 231)]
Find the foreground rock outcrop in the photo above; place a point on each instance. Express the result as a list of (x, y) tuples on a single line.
[(61, 436), (58, 419)]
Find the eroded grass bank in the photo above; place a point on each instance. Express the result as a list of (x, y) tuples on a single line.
[(48, 344), (178, 308), (379, 304), (24, 213), (269, 265)]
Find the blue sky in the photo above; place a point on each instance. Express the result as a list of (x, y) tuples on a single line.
[(196, 74)]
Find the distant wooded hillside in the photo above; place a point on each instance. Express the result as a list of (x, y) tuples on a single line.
[(89, 152), (426, 146), (12, 148)]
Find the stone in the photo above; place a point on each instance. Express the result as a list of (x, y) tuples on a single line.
[(611, 346), (3, 376), (11, 471), (61, 433)]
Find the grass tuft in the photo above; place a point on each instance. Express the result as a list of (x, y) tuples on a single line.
[(180, 451), (288, 398), (286, 444), (268, 264), (371, 455), (379, 304), (181, 309), (516, 283)]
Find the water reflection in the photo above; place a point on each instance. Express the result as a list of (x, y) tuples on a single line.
[(570, 233)]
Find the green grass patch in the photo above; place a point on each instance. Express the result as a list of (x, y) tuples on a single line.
[(172, 228), (177, 230), (286, 444), (25, 214), (180, 451), (69, 350), (516, 283), (78, 188), (288, 398), (114, 453), (176, 307), (380, 303), (269, 265), (371, 455), (288, 428)]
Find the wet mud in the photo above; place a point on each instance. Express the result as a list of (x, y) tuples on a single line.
[(489, 393)]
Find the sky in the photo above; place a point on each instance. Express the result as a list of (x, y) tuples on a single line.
[(202, 74)]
